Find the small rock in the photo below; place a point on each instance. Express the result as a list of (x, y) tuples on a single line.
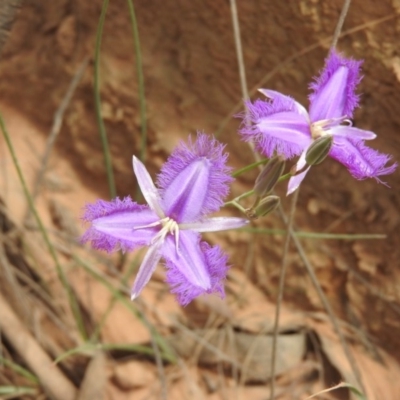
[(133, 374), (313, 206), (367, 261)]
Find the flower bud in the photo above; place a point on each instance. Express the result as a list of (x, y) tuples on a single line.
[(319, 150), (269, 176), (266, 206)]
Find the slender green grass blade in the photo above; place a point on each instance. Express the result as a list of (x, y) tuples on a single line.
[(14, 391), (318, 235), (340, 385), (18, 369), (90, 348)]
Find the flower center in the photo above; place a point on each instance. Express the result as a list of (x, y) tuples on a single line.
[(323, 127), (320, 128), (168, 226)]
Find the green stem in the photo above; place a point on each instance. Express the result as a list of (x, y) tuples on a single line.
[(89, 348), (237, 199), (318, 235), (238, 206), (241, 171), (284, 177), (100, 122)]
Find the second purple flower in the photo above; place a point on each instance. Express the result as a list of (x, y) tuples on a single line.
[(282, 126)]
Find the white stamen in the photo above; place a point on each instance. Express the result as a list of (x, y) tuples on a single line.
[(323, 127), (168, 226), (176, 233), (148, 225)]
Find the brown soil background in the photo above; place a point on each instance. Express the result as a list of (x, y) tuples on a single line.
[(192, 83)]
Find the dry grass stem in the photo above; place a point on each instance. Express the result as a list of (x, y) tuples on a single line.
[(339, 26), (328, 309), (8, 10), (55, 129), (51, 378), (281, 286)]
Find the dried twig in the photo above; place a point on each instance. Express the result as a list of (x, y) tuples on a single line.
[(95, 379), (339, 26), (51, 378), (325, 304), (280, 291), (8, 10), (55, 129), (241, 66), (157, 357), (239, 51)]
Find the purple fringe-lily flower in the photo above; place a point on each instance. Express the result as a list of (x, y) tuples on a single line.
[(192, 184), (283, 126)]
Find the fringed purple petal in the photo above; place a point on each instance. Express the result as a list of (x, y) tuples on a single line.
[(273, 94), (210, 259), (277, 126), (361, 161), (112, 224), (187, 256), (102, 208), (334, 90), (205, 151), (184, 198)]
